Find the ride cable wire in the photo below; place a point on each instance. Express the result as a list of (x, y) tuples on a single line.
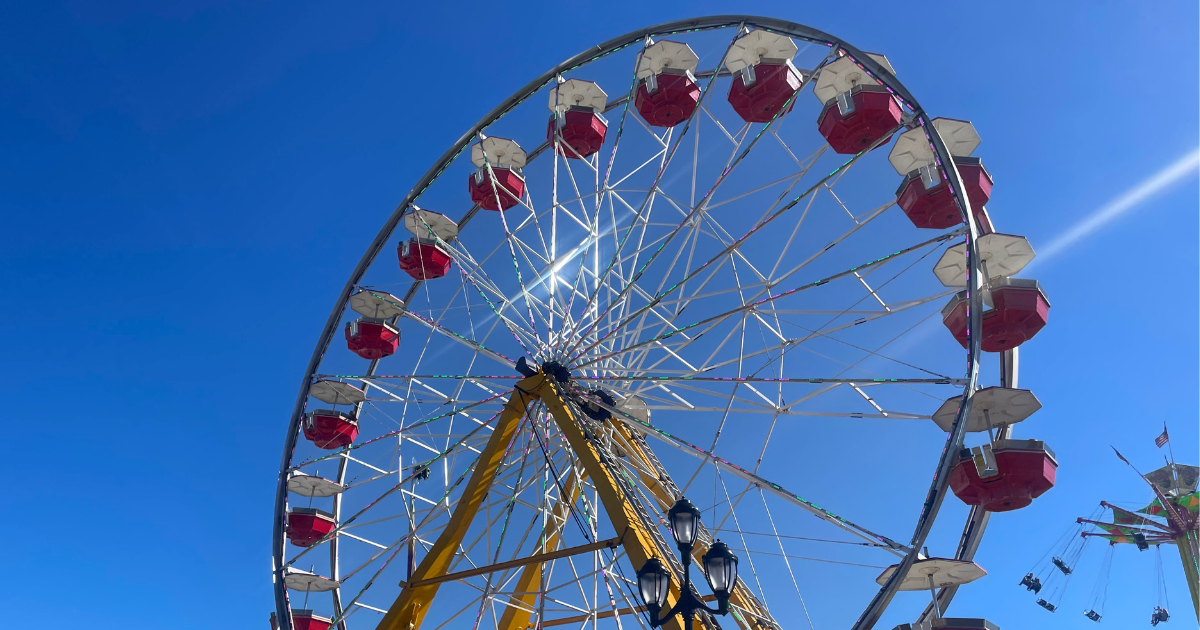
[(1099, 595)]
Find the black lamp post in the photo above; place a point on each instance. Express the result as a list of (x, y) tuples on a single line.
[(720, 569)]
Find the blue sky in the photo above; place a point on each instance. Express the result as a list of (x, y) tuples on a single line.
[(196, 180)]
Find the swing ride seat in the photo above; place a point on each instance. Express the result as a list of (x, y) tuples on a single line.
[(774, 87), (1031, 583), (1093, 615), (305, 526), (330, 429), (371, 338), (1025, 470), (673, 100), (859, 118), (504, 193), (1047, 605), (423, 259), (1159, 615), (1062, 566), (1020, 310)]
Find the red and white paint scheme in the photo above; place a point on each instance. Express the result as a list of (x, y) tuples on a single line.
[(1005, 475), (305, 526), (667, 93), (923, 195), (374, 336), (330, 429), (859, 112), (497, 183), (764, 80), (1019, 310), (577, 125), (425, 256)]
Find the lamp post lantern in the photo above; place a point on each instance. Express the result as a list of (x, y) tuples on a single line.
[(720, 570)]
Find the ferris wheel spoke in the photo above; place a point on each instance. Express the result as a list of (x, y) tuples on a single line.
[(771, 299), (463, 339), (696, 451), (761, 224), (666, 161), (791, 343)]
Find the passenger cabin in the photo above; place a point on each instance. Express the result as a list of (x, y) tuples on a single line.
[(305, 526), (667, 92), (765, 82), (577, 124), (859, 112)]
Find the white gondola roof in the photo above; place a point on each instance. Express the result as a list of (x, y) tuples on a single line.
[(753, 47), (843, 74), (1005, 254), (1001, 405), (337, 393), (666, 54), (376, 304), (577, 92), (298, 580), (498, 152), (311, 486), (912, 150), (944, 571), (422, 222)]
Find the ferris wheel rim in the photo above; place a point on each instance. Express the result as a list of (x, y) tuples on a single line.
[(939, 487)]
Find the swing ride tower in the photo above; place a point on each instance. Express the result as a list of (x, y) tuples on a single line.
[(1170, 519)]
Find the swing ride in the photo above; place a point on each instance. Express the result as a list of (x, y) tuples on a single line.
[(671, 273), (1170, 519)]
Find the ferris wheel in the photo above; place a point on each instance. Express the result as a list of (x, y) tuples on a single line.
[(724, 259)]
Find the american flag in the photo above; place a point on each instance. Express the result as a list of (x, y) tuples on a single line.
[(1162, 439)]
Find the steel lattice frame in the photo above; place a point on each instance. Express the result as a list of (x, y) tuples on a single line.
[(603, 361)]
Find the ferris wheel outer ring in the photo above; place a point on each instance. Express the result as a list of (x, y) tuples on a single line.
[(940, 485)]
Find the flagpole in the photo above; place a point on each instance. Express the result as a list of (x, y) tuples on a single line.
[(1171, 450)]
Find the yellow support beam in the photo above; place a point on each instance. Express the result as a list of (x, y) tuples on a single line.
[(611, 543), (740, 597), (516, 615), (637, 540), (416, 597), (412, 604)]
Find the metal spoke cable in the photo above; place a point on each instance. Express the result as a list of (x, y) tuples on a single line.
[(783, 552)]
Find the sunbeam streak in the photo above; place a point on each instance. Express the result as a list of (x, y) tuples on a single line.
[(1175, 172)]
